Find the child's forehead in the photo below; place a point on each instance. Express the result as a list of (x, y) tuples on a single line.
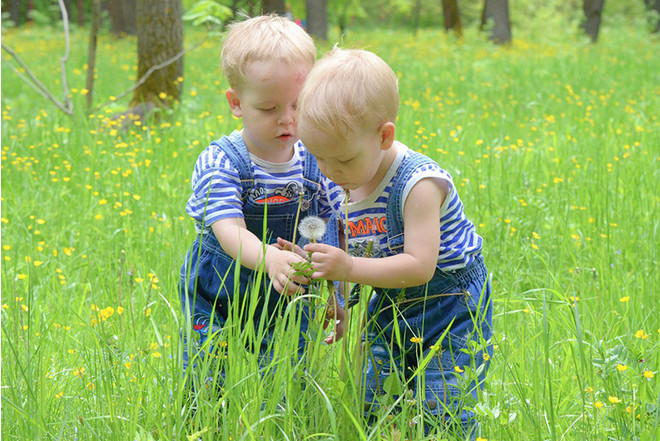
[(334, 144), (263, 70)]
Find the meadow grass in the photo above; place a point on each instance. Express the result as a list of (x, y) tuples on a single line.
[(554, 146)]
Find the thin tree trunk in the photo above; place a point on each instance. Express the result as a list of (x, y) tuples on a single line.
[(593, 10), (30, 7), (273, 7), (67, 5), (498, 12), (342, 18), (654, 5), (81, 12), (452, 17), (416, 13), (91, 57), (317, 18), (15, 12)]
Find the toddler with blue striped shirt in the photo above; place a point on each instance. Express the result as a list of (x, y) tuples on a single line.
[(248, 189), (408, 237)]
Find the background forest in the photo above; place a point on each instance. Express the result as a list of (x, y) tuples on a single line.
[(527, 16), (553, 141)]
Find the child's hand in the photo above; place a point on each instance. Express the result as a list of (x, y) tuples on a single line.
[(329, 262), (337, 315), (286, 279), (283, 244)]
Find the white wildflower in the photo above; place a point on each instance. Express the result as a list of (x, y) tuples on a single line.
[(312, 228)]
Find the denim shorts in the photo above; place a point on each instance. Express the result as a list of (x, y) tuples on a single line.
[(213, 287), (454, 303)]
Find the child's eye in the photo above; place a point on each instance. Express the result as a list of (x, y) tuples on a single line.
[(267, 109), (344, 162)]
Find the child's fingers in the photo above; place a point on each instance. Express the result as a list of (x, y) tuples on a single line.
[(316, 247), (283, 242), (299, 278), (318, 275), (288, 288)]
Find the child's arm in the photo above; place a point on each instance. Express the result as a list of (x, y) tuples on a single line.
[(237, 240), (415, 266)]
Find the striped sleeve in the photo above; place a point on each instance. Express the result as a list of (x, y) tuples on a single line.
[(216, 189), (330, 199)]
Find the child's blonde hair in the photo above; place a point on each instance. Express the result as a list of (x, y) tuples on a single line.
[(348, 90), (264, 38)]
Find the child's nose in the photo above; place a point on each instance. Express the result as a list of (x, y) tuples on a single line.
[(287, 117)]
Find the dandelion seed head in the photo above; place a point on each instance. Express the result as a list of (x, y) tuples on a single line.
[(312, 228)]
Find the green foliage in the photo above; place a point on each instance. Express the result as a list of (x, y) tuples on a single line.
[(528, 16), (552, 145), (209, 13)]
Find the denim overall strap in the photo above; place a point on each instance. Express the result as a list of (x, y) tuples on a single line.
[(312, 182), (394, 205), (235, 148)]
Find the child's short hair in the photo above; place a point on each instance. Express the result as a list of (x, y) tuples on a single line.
[(264, 38), (348, 90)]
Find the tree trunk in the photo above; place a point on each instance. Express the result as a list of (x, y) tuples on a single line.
[(317, 18), (67, 5), (452, 17), (417, 10), (593, 10), (81, 12), (498, 12), (160, 39), (15, 12), (122, 16), (273, 7), (28, 13), (91, 54), (654, 5)]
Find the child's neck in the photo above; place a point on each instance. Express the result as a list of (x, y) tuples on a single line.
[(275, 157)]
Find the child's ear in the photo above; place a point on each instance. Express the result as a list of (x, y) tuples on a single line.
[(234, 103), (386, 133)]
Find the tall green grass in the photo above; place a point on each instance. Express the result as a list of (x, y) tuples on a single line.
[(554, 146)]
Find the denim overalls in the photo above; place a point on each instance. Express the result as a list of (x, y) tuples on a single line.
[(456, 300), (207, 284)]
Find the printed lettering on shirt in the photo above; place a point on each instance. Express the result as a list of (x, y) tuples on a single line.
[(367, 226), (290, 191)]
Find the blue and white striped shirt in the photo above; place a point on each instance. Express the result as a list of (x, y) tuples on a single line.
[(459, 241), (217, 188)]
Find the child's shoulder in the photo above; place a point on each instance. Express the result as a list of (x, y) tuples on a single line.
[(222, 153), (415, 163)]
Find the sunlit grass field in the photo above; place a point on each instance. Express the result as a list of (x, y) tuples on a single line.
[(554, 146)]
